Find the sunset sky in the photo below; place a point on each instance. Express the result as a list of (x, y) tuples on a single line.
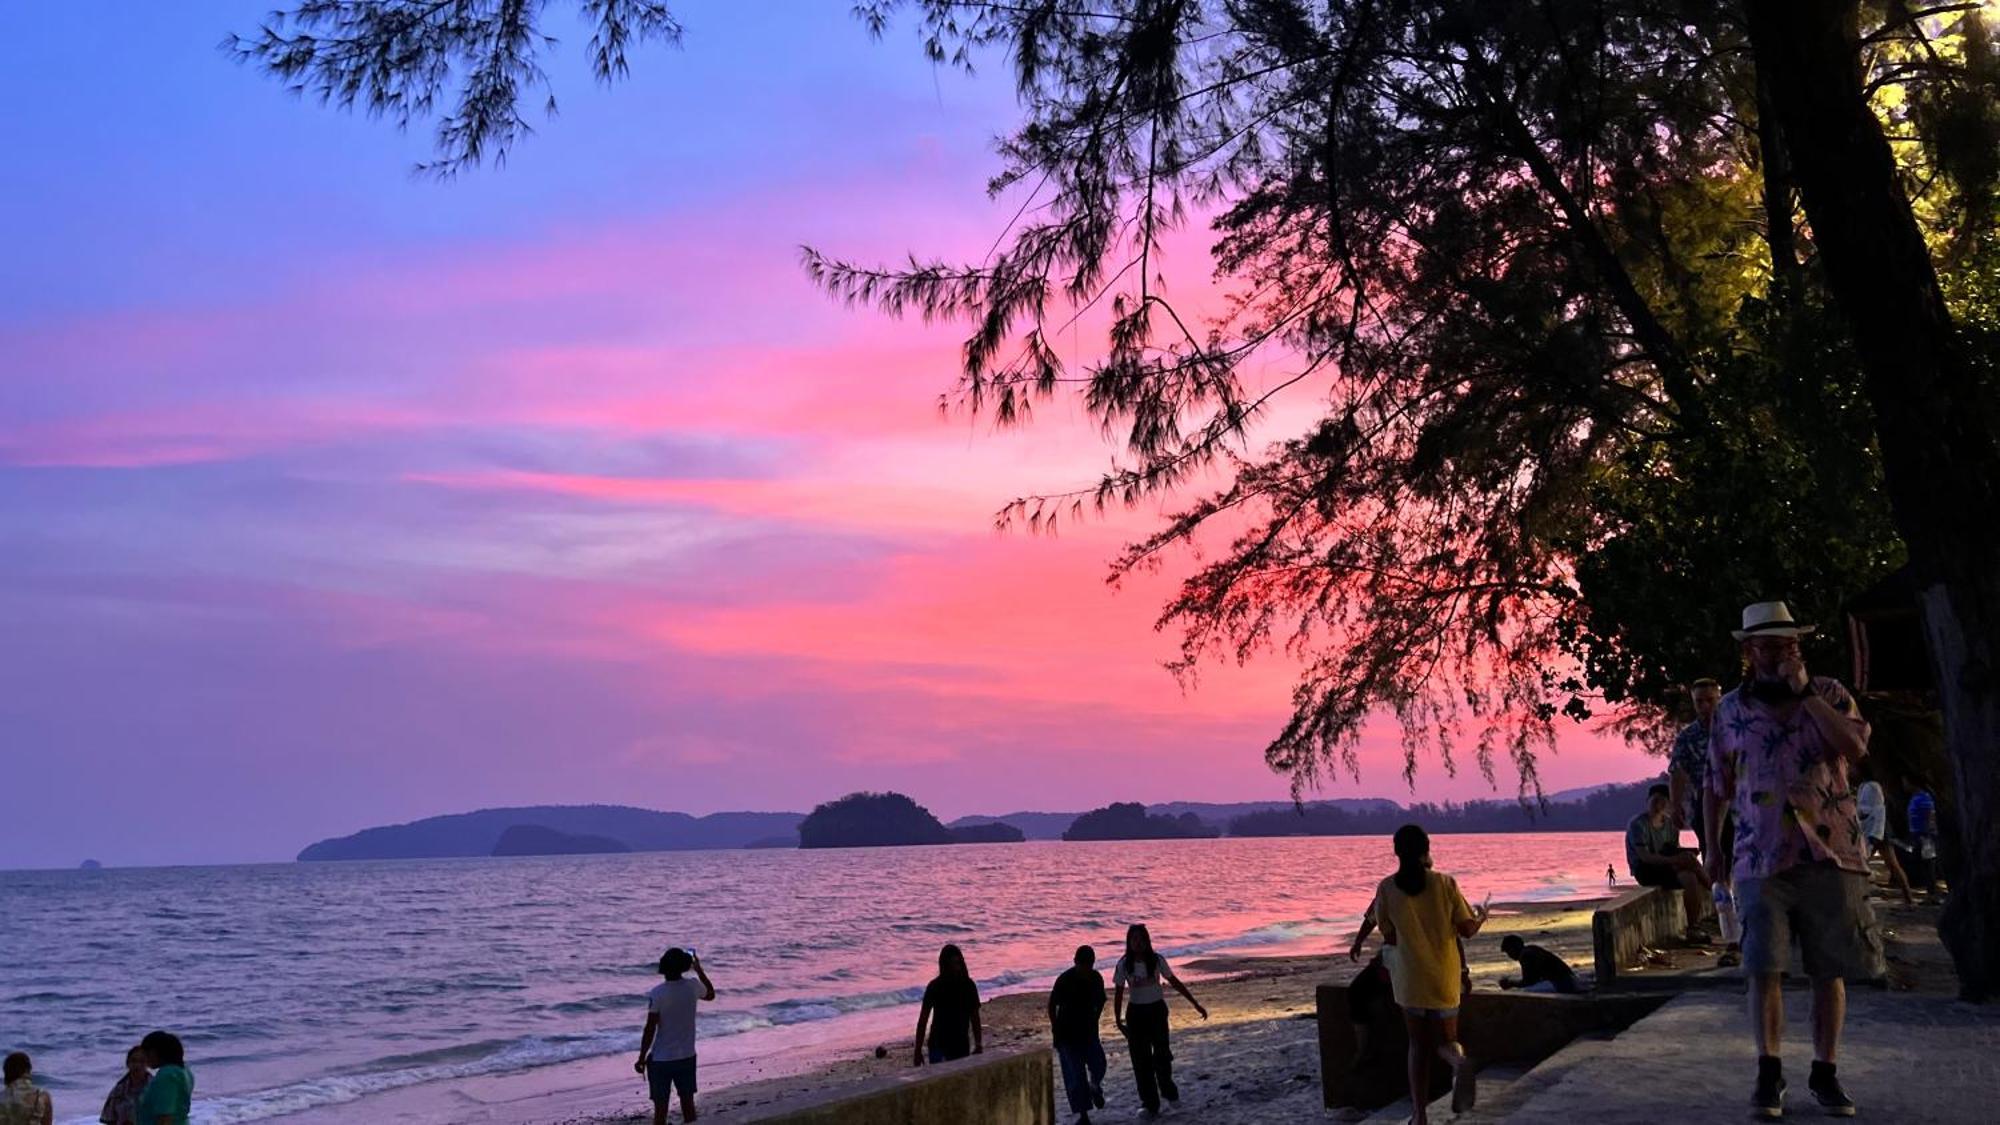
[(330, 496)]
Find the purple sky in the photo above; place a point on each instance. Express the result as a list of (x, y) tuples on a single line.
[(330, 496)]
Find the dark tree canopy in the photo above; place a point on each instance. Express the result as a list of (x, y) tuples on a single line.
[(1581, 393)]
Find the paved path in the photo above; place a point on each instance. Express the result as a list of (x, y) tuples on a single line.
[(1904, 1059)]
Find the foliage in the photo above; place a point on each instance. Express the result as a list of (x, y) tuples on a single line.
[(871, 820), (395, 58), (1537, 269), (1128, 820), (1610, 807)]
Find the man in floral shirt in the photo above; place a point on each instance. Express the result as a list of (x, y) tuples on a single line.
[(1779, 753)]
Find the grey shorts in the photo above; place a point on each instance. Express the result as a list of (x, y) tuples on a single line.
[(1824, 908)]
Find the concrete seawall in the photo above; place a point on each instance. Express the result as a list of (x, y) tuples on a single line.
[(996, 1088)]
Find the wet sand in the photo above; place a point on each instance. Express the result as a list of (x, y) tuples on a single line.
[(1256, 1052)]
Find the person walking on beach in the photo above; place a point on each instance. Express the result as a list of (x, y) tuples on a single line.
[(1144, 1024), (22, 1102), (1783, 744), (1540, 969), (121, 1105), (1076, 1011), (1687, 763), (1921, 815), (1872, 805), (1653, 852), (169, 1095), (950, 1011), (666, 1046), (1423, 916)]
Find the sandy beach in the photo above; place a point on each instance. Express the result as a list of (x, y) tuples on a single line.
[(1254, 1060)]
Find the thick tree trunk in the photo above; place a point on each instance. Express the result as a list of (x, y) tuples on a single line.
[(1935, 419)]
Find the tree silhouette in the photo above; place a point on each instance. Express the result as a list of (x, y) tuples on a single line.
[(1542, 265)]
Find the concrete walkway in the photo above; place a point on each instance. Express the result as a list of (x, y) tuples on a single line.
[(1904, 1058)]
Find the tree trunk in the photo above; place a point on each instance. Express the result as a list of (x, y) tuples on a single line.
[(1935, 418)]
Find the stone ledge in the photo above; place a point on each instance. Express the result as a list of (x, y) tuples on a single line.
[(995, 1088)]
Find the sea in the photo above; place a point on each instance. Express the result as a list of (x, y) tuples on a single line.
[(318, 989)]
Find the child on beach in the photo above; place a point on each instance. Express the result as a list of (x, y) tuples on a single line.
[(666, 1046), (169, 1095), (1423, 916), (121, 1105), (1144, 1024), (21, 1102), (950, 1011)]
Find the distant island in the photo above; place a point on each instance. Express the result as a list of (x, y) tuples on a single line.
[(1585, 809), (888, 820), (534, 839), (1130, 821), (478, 833)]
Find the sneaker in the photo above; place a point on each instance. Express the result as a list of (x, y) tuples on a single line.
[(1730, 959), (1097, 1096), (1768, 1100), (1825, 1087)]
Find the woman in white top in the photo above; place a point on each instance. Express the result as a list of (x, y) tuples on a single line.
[(1874, 809), (1145, 1022)]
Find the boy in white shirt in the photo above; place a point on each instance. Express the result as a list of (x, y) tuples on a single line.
[(666, 1046)]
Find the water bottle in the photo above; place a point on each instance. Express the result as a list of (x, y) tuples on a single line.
[(1725, 913)]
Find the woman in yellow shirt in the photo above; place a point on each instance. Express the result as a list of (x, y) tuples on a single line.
[(1423, 915)]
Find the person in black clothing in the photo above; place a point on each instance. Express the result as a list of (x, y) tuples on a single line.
[(1076, 1008), (1144, 1024), (1538, 966), (950, 1011)]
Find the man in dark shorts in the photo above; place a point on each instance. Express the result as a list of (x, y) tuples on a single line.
[(1653, 852), (1539, 967), (666, 1046), (1779, 761)]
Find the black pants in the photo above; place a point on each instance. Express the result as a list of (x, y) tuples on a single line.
[(1152, 1058)]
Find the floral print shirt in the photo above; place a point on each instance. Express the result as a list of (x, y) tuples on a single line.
[(1690, 756), (1793, 803)]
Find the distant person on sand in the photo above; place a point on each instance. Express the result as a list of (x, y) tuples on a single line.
[(951, 1011), (666, 1046), (121, 1105), (1921, 814), (1784, 743), (1076, 1012), (1144, 1024), (1873, 807), (1423, 915), (1653, 852), (1687, 762), (1541, 970), (22, 1102), (169, 1094)]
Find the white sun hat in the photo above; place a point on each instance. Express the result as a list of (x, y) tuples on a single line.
[(1770, 619)]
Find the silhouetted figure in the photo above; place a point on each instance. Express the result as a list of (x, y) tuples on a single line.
[(1423, 916), (666, 1045), (950, 1011), (1540, 969), (1076, 1009), (22, 1102), (121, 1105), (169, 1094), (1144, 1024), (1872, 805), (1653, 851)]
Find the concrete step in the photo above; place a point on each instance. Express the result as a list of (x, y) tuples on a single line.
[(1495, 1084)]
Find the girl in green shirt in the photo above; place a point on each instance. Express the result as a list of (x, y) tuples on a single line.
[(169, 1096)]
